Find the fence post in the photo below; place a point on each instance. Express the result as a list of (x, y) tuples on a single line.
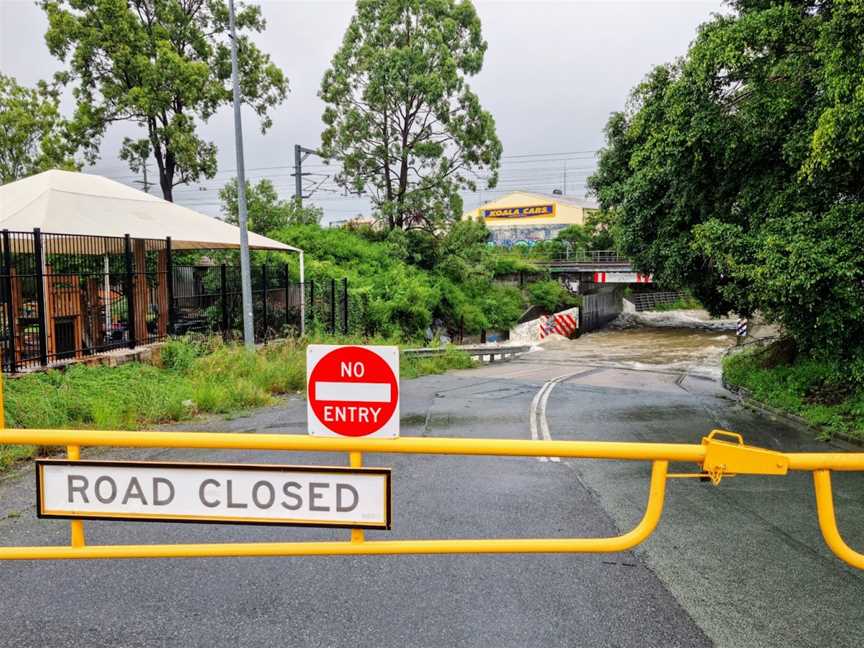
[(40, 295), (223, 289), (311, 308), (169, 261), (264, 302), (130, 291), (10, 307), (286, 279), (332, 306), (345, 305)]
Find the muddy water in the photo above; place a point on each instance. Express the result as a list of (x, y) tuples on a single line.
[(677, 340)]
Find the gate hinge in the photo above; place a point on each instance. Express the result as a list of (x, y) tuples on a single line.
[(725, 458)]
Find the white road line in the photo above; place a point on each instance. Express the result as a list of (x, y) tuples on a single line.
[(541, 414), (537, 422), (532, 415)]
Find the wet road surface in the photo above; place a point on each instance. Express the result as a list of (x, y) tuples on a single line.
[(742, 564)]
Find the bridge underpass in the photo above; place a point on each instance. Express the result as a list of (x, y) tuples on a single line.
[(600, 278)]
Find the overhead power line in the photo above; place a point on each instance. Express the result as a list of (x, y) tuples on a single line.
[(525, 155)]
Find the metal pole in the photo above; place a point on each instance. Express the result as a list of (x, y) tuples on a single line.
[(345, 305), (298, 175), (106, 287), (10, 307), (264, 314), (302, 297), (223, 285), (245, 273), (286, 278), (312, 298), (41, 278), (169, 261), (76, 527), (130, 291), (355, 459), (332, 306)]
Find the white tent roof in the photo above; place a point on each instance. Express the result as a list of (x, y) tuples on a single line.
[(64, 202)]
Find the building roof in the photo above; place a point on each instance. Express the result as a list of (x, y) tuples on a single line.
[(585, 203), (65, 202)]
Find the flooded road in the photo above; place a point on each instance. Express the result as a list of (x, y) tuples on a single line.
[(682, 341)]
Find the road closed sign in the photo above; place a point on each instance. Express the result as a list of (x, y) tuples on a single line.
[(224, 493), (352, 391)]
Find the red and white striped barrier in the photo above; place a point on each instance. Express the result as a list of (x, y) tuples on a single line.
[(622, 277), (563, 323)]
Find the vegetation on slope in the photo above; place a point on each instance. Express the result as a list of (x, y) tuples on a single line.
[(817, 390)]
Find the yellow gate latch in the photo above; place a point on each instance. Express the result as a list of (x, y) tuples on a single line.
[(728, 458)]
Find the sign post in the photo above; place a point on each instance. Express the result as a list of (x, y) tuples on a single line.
[(353, 391), (740, 331)]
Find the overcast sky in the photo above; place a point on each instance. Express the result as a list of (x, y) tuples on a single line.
[(553, 73)]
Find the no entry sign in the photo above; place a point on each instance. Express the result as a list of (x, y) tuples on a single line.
[(352, 390)]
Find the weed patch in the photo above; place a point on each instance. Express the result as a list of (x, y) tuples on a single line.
[(811, 388)]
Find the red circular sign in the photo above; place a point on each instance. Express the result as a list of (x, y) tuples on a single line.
[(353, 391)]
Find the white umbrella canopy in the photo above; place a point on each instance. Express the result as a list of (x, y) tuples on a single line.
[(80, 204)]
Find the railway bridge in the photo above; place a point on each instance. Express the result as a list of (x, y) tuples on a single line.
[(599, 277)]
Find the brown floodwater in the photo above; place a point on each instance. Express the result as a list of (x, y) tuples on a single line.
[(677, 340)]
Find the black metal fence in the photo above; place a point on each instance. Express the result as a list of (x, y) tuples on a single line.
[(67, 297)]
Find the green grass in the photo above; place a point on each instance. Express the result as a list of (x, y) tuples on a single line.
[(451, 359), (812, 389), (197, 376)]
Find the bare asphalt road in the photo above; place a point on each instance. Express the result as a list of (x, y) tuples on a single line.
[(739, 565)]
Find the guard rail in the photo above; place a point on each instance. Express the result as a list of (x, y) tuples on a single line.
[(473, 351)]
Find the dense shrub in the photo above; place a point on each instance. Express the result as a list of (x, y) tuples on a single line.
[(402, 283), (551, 296)]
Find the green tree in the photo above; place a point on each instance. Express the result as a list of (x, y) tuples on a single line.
[(551, 295), (266, 211), (577, 236), (736, 171), (165, 65), (34, 136), (136, 153), (401, 119), (603, 229)]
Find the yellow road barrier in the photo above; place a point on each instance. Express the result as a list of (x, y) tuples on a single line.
[(721, 454)]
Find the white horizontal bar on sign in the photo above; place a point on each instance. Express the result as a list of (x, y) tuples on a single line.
[(353, 392)]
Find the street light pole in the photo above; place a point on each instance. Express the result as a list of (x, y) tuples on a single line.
[(245, 271)]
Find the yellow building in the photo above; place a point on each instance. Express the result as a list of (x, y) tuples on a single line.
[(525, 217)]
